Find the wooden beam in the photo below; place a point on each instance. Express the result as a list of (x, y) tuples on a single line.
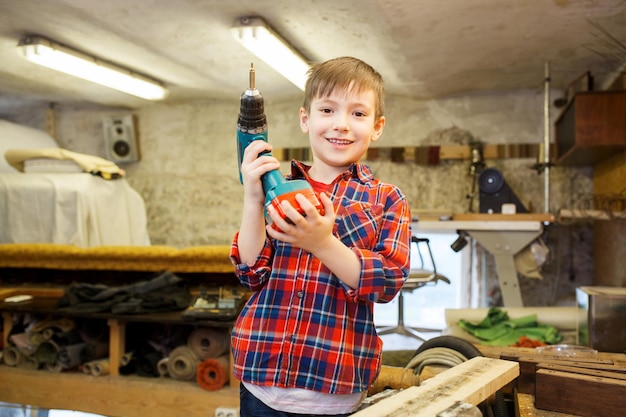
[(425, 155), (586, 395), (538, 217), (128, 396), (472, 382)]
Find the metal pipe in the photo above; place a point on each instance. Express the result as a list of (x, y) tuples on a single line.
[(546, 139)]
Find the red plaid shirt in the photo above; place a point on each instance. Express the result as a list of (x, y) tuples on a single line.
[(304, 328)]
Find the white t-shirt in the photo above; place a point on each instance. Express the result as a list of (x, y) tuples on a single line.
[(303, 401)]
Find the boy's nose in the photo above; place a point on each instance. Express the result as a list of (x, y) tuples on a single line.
[(341, 123)]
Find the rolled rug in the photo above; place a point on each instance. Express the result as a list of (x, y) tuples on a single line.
[(28, 362), (208, 343), (55, 367), (69, 356), (162, 367), (100, 367), (183, 363), (12, 356), (47, 353), (24, 343), (213, 373), (86, 368), (94, 351), (51, 326), (126, 358)]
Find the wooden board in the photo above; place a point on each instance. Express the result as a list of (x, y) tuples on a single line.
[(530, 363), (586, 395), (128, 396), (40, 292), (472, 381), (539, 217)]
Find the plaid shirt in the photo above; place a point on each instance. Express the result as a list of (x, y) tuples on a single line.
[(304, 328)]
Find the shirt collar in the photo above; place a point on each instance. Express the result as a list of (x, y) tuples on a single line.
[(358, 171)]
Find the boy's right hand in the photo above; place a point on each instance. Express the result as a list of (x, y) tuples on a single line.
[(253, 167)]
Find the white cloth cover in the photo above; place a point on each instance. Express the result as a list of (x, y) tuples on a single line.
[(79, 209), (16, 136)]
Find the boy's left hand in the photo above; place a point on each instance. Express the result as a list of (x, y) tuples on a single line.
[(310, 231)]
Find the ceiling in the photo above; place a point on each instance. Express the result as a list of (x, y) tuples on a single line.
[(423, 48)]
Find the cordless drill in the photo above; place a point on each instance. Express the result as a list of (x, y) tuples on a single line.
[(251, 126)]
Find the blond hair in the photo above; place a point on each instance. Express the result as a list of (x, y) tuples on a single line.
[(345, 73)]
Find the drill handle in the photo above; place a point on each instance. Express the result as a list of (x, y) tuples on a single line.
[(243, 140)]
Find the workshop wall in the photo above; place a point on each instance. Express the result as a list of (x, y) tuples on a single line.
[(188, 171)]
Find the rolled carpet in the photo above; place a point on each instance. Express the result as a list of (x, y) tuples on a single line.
[(12, 356), (213, 373), (182, 363), (208, 343)]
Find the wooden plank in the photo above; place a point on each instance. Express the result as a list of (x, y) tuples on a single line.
[(618, 373), (472, 381), (117, 345), (7, 325), (591, 360), (529, 364), (128, 396), (38, 292), (500, 352), (586, 395), (539, 217)]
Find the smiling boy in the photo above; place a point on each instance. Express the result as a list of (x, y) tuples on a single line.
[(305, 343)]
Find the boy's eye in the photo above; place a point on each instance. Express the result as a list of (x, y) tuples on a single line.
[(326, 110), (359, 114)]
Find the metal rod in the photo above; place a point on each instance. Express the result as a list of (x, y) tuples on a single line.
[(546, 139)]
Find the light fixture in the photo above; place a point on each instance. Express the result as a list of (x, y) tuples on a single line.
[(50, 54), (262, 41)]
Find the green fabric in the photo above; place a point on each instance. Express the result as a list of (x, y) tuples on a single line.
[(497, 329)]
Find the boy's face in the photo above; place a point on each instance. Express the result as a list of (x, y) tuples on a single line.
[(341, 127)]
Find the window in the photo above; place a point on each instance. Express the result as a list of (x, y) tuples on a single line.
[(425, 307)]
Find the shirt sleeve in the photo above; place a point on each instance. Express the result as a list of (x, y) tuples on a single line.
[(385, 266), (254, 276)]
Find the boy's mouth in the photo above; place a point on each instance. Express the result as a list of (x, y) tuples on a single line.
[(336, 141)]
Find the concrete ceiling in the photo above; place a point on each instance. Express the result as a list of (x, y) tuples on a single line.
[(424, 48)]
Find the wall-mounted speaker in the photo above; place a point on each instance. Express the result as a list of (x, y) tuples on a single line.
[(494, 192), (120, 139)]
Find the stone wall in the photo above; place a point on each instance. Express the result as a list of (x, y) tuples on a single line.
[(188, 171)]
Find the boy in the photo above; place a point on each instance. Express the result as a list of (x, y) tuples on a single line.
[(305, 343)]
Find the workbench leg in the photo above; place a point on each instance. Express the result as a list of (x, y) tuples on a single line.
[(509, 281), (117, 345)]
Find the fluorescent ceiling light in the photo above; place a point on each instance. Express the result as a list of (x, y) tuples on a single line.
[(61, 58), (262, 41)]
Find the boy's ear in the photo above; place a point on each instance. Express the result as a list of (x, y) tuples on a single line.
[(379, 125), (304, 120)]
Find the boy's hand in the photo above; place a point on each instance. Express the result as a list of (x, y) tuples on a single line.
[(310, 231), (253, 167)]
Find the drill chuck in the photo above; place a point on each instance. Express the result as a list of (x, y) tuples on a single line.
[(251, 109)]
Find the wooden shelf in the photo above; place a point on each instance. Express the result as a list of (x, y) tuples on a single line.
[(111, 394), (44, 270), (127, 396), (592, 128)]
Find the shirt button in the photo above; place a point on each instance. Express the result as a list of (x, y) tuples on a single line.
[(300, 294)]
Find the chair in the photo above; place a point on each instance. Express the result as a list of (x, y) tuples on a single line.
[(418, 277)]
